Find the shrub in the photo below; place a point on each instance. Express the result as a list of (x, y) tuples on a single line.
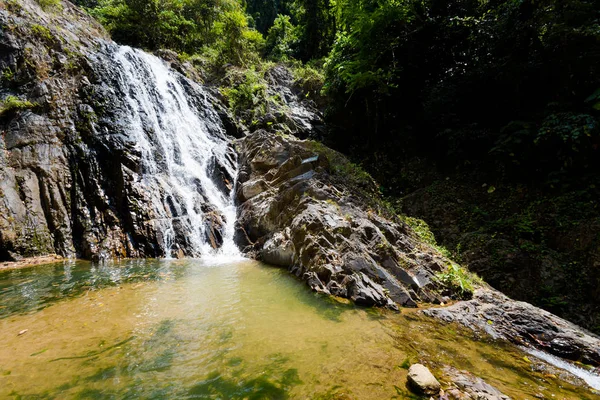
[(247, 91), (12, 104), (282, 39), (218, 30), (459, 281), (309, 78)]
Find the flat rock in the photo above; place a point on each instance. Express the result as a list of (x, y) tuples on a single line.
[(253, 188)]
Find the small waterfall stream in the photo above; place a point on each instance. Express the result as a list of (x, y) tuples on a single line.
[(187, 165)]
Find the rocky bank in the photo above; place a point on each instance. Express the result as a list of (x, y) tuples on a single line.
[(306, 208), (494, 314)]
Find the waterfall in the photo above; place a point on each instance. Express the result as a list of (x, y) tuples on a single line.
[(187, 166)]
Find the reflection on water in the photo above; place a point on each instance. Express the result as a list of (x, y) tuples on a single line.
[(23, 290), (189, 329)]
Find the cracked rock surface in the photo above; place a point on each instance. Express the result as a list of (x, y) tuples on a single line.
[(299, 211)]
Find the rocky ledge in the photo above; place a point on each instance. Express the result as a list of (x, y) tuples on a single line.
[(495, 314), (304, 207)]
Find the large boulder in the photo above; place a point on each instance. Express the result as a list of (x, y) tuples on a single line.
[(305, 207)]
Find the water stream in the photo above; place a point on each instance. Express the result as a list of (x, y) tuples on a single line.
[(590, 378), (188, 167), (193, 329)]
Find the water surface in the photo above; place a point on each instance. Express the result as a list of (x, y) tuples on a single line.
[(198, 329)]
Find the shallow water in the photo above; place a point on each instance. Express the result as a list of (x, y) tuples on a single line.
[(591, 379), (199, 329)]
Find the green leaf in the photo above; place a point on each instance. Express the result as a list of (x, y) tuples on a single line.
[(593, 96)]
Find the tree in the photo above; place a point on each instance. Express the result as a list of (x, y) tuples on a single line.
[(282, 39), (316, 27)]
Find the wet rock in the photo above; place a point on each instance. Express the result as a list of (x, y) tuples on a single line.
[(313, 222), (465, 385), (70, 169), (278, 250), (363, 291), (495, 314), (214, 226), (422, 381)]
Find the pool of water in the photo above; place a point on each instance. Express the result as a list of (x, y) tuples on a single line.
[(156, 329)]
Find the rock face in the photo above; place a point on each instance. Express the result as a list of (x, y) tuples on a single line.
[(36, 180), (301, 117), (304, 207), (422, 381), (521, 323), (73, 174)]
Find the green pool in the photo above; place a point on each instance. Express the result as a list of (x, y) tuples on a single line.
[(156, 329)]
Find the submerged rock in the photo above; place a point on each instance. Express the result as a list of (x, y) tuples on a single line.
[(422, 381), (465, 385)]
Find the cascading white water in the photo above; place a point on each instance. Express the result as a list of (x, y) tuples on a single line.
[(180, 152), (590, 378)]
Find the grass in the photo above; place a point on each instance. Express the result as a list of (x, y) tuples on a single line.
[(422, 230), (13, 6), (8, 74), (342, 167), (459, 280), (308, 78), (41, 32)]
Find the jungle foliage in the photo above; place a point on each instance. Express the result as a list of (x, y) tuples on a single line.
[(217, 29), (511, 88), (513, 84)]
